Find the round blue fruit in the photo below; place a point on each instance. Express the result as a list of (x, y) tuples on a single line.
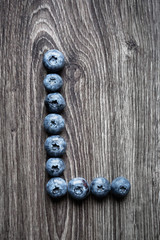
[(55, 167), (78, 188), (53, 82), (53, 60), (55, 103), (100, 187), (120, 187), (56, 187), (54, 123), (55, 146)]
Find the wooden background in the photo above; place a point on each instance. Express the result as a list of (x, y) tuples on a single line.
[(111, 86)]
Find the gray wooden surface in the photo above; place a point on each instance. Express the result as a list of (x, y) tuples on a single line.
[(111, 86)]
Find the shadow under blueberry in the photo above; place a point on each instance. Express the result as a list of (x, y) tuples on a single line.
[(76, 201), (119, 199), (57, 72), (101, 199)]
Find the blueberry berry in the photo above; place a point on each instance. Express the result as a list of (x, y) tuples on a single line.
[(55, 167), (120, 187), (55, 103), (53, 60), (56, 187), (78, 188), (52, 82), (54, 123), (100, 187), (55, 146)]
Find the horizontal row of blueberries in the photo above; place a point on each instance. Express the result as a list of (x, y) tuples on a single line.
[(55, 145), (79, 189)]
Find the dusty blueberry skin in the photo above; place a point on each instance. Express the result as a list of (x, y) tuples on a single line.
[(56, 187), (53, 82), (100, 187), (54, 123), (78, 188), (55, 146), (53, 60), (55, 103), (120, 187), (55, 167)]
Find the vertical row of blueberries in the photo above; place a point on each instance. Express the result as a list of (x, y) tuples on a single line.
[(55, 145)]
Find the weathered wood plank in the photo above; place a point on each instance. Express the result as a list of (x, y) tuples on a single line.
[(111, 86)]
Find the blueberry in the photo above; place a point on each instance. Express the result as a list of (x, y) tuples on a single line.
[(120, 187), (56, 187), (55, 146), (52, 82), (100, 187), (53, 60), (78, 188), (55, 103), (54, 123), (55, 167)]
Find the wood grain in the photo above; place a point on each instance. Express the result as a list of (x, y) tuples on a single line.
[(111, 86)]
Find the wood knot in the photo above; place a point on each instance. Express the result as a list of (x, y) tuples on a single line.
[(132, 44), (13, 129), (74, 71)]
